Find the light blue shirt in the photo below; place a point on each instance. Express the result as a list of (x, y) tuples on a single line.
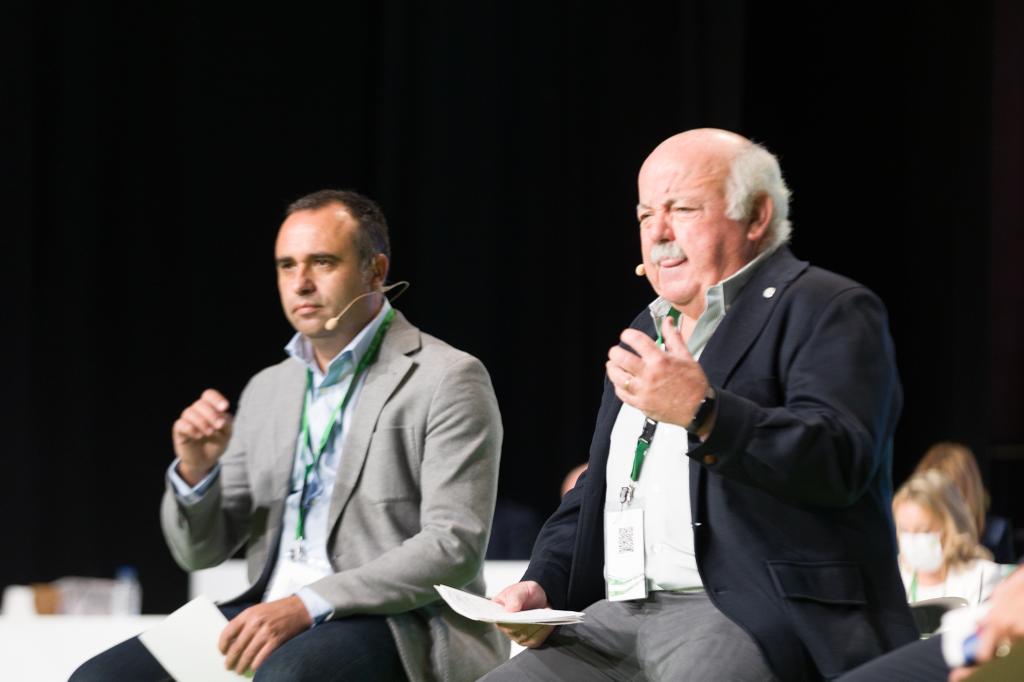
[(718, 300), (328, 389)]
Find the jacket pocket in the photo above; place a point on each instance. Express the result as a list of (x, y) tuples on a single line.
[(392, 468), (827, 605), (827, 582)]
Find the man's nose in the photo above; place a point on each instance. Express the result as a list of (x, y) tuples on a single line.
[(660, 226), (302, 283)]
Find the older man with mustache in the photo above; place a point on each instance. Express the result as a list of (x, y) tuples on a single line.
[(734, 520)]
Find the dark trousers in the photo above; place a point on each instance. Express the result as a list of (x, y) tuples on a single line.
[(919, 661), (353, 648)]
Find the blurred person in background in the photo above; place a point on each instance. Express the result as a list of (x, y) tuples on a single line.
[(939, 551), (959, 465), (569, 482)]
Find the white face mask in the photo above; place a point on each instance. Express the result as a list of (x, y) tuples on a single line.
[(922, 552)]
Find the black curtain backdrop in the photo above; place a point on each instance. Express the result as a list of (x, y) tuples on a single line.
[(151, 148)]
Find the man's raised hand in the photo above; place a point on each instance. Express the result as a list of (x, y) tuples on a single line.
[(667, 386), (200, 435)]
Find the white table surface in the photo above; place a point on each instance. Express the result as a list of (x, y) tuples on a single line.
[(49, 648)]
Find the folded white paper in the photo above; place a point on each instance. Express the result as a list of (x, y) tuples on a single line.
[(185, 643), (478, 608)]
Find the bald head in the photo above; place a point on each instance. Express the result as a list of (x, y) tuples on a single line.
[(746, 173), (709, 148)]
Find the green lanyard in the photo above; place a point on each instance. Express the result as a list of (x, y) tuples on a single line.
[(643, 442), (674, 314), (368, 358)]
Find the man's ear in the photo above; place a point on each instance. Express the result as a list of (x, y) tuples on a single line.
[(378, 271), (760, 218)]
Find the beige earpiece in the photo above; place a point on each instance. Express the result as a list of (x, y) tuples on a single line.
[(330, 324)]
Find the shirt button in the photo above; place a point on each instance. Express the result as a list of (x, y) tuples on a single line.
[(710, 459)]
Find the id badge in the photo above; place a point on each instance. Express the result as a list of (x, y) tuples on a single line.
[(624, 555), (291, 576)]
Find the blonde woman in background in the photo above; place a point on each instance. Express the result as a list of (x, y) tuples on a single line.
[(958, 463), (939, 551)]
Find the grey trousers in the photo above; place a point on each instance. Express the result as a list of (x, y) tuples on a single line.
[(667, 636)]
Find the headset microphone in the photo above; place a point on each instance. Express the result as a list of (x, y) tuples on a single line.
[(640, 270), (333, 322)]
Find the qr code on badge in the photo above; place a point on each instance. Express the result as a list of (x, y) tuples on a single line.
[(625, 540)]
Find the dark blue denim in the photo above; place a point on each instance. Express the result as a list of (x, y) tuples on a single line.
[(353, 648)]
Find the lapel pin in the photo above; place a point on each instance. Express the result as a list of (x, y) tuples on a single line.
[(769, 292)]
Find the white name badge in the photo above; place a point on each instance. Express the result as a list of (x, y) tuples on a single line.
[(624, 555), (290, 576)]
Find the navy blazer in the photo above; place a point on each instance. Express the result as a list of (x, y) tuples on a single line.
[(790, 494)]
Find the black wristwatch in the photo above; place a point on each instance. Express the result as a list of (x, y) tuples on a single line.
[(704, 411)]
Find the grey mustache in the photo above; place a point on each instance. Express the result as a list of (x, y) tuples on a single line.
[(666, 250)]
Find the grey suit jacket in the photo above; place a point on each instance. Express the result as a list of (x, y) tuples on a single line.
[(411, 506)]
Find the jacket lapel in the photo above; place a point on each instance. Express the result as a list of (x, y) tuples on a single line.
[(735, 335), (383, 377), (748, 315), (286, 415)]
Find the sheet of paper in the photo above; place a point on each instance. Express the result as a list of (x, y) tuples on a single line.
[(478, 608), (185, 643)]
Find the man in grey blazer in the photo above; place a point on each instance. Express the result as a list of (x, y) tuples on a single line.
[(357, 474)]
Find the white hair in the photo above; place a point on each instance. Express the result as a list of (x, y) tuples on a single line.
[(754, 173)]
